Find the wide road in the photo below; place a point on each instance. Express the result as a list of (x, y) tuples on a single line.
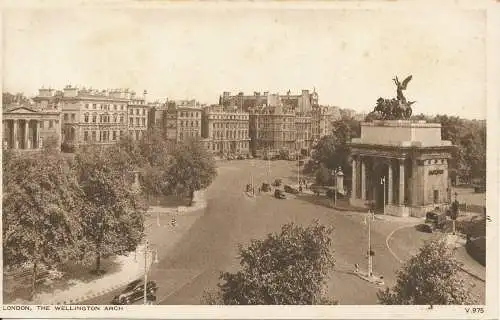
[(232, 218)]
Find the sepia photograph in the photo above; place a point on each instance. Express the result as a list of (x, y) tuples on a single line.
[(251, 154)]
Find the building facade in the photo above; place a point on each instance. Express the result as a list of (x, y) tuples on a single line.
[(303, 128), (137, 117), (225, 130), (26, 127), (401, 166), (302, 102), (272, 129), (182, 122), (322, 120), (92, 116)]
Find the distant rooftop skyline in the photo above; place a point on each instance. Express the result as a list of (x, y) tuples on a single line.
[(349, 56)]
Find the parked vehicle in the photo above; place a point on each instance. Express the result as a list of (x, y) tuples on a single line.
[(266, 187), (240, 157), (277, 183), (291, 190), (426, 227), (278, 194), (436, 218), (135, 291)]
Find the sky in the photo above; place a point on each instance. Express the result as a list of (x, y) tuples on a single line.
[(348, 56)]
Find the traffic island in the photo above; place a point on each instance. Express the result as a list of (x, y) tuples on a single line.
[(373, 279)]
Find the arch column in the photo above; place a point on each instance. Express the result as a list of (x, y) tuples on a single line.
[(389, 183), (354, 178), (26, 133), (363, 179), (401, 182)]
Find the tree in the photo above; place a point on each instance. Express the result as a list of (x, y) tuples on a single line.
[(323, 176), (41, 200), (289, 267), (113, 219), (192, 168), (430, 277)]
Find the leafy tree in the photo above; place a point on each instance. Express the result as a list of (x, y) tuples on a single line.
[(430, 277), (9, 98), (192, 168), (289, 267), (113, 218), (41, 201), (323, 176)]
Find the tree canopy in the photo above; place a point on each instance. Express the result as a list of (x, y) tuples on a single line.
[(432, 277), (41, 204), (113, 219), (192, 168), (289, 267)]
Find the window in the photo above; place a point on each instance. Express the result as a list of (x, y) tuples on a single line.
[(121, 118), (136, 112), (131, 111), (137, 121), (51, 124), (115, 118), (131, 121), (94, 118), (143, 112), (114, 135), (93, 136), (65, 117), (73, 117), (436, 196), (42, 124), (94, 106), (86, 117), (86, 106), (114, 106), (85, 136), (143, 121)]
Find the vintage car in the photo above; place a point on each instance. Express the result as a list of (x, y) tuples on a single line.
[(135, 291), (266, 187), (426, 227), (278, 194), (240, 157), (436, 218), (291, 190), (277, 183)]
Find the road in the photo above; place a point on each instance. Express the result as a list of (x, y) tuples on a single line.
[(232, 218)]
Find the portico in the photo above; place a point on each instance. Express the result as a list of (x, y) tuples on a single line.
[(401, 167), (23, 127)]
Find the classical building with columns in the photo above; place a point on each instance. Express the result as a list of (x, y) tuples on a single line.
[(26, 127), (401, 166)]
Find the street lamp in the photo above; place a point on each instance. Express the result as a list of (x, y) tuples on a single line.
[(382, 182), (370, 217), (148, 250)]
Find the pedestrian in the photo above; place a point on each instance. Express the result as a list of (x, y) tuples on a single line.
[(300, 188), (356, 267)]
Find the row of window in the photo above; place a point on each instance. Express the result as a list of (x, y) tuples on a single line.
[(187, 123), (188, 134), (138, 121), (230, 134), (229, 117), (107, 136), (189, 114), (229, 125), (104, 118), (137, 112), (50, 124), (105, 106), (219, 146)]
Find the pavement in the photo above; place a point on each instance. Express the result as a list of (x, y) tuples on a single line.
[(159, 230)]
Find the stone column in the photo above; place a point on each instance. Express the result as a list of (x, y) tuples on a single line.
[(401, 182), (37, 135), (15, 143), (354, 176), (389, 183), (363, 180), (25, 140)]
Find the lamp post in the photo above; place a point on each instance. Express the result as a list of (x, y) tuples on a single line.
[(148, 250), (382, 182), (369, 217)]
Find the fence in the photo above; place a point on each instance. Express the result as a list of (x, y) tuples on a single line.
[(472, 208)]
